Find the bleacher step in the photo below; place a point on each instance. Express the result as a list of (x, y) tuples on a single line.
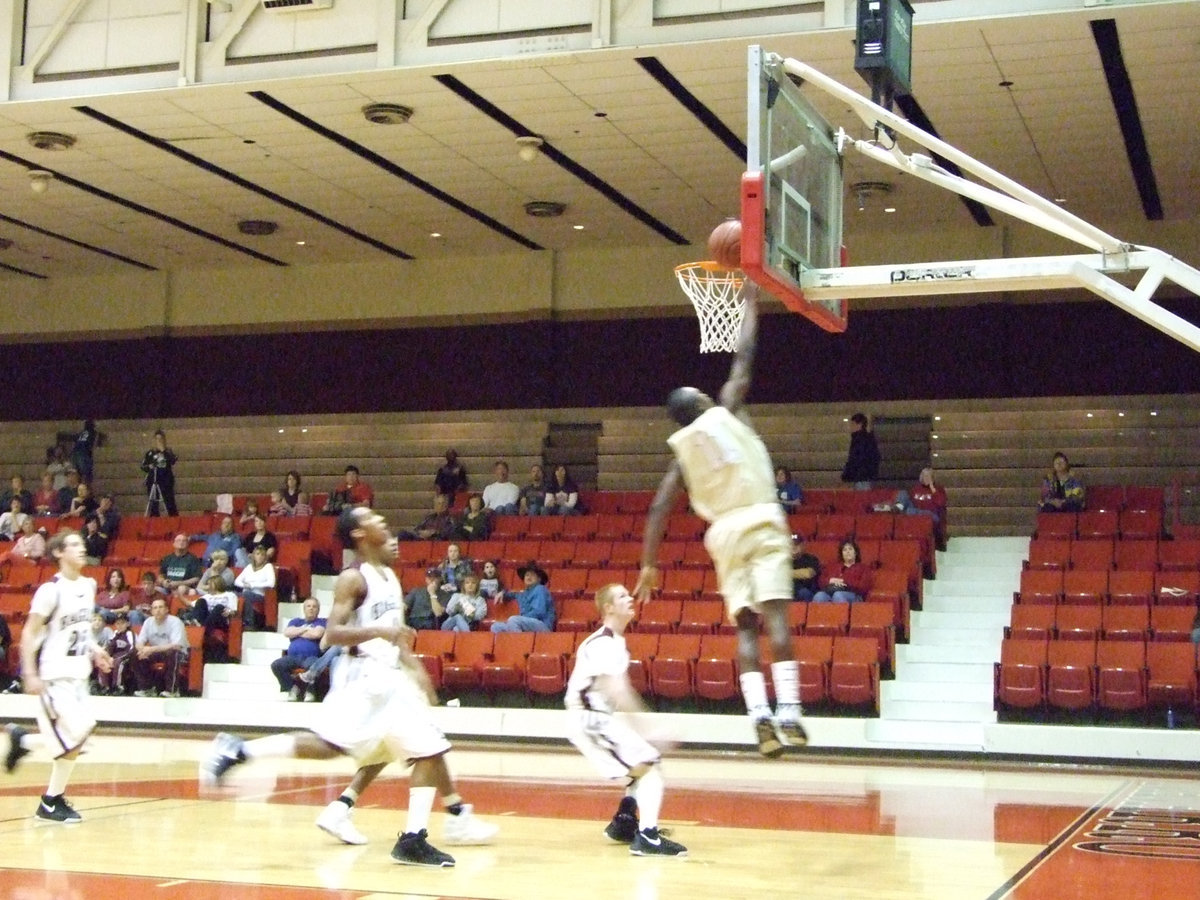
[(896, 691), (995, 619), (979, 639), (965, 605), (959, 673), (927, 734), (940, 711)]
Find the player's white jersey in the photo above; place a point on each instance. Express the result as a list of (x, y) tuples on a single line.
[(383, 605), (601, 654), (66, 604), (725, 464)]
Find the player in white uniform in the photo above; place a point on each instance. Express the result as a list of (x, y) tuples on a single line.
[(377, 709), (598, 693), (57, 654), (730, 482)]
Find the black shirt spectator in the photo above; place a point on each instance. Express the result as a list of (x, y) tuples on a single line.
[(451, 477), (862, 463)]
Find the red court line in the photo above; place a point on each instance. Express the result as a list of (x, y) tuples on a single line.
[(33, 884)]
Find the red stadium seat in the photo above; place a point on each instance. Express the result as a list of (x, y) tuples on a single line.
[(579, 528), (682, 584), (592, 554), (874, 620), (1046, 553), (546, 667), (577, 614), (1031, 621), (1077, 623), (1121, 675), (472, 651), (1092, 525), (570, 583), (803, 524), (659, 616), (1131, 588), (701, 617), (433, 649), (1021, 673), (835, 527), (672, 669), (1144, 497), (1179, 555), (1085, 587), (874, 527), (642, 649), (1126, 623), (1132, 554), (505, 671), (854, 672), (1106, 497), (1055, 525), (1094, 555), (1141, 523), (1176, 588), (556, 554), (1071, 674), (831, 619), (814, 655), (1171, 675), (716, 675), (1172, 623)]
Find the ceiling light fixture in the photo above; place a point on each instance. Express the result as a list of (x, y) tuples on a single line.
[(545, 209), (51, 140), (387, 113), (257, 227), (528, 146), (865, 190), (39, 180)]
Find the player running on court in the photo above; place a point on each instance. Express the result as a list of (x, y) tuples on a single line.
[(597, 691), (728, 475), (57, 652), (378, 707)]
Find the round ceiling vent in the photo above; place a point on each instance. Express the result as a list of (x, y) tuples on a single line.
[(257, 227), (51, 140), (387, 113), (545, 209)]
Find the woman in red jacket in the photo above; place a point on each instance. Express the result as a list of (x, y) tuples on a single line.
[(848, 582)]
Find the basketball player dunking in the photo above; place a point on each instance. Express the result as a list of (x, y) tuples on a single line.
[(378, 707), (730, 482)]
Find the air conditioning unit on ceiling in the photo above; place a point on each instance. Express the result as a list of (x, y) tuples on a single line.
[(295, 5)]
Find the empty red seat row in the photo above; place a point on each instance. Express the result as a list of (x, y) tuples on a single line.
[(1137, 623), (1082, 675), (1129, 523), (1105, 553), (1050, 586)]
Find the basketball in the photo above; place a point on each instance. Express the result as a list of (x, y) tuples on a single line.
[(725, 244)]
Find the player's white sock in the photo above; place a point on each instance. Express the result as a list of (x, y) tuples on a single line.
[(649, 793), (420, 806), (786, 676), (60, 774), (275, 745), (754, 690)]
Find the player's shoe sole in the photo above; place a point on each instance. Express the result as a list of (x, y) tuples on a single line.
[(770, 744)]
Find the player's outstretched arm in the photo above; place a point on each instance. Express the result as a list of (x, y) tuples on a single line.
[(656, 526), (733, 394)]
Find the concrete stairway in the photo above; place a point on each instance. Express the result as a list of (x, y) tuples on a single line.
[(942, 694)]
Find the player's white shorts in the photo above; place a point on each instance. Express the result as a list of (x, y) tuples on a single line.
[(608, 742), (63, 716), (377, 714), (752, 552)]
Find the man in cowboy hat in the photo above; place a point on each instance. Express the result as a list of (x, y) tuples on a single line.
[(535, 609)]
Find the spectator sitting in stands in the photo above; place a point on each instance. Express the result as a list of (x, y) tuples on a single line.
[(304, 634), (789, 493), (226, 539), (83, 504), (1061, 490), (142, 597), (351, 492), (253, 582), (68, 493), (501, 496), (532, 498), (110, 519), (249, 513), (291, 491), (260, 537), (45, 501), (112, 599), (121, 648), (13, 520), (56, 466), (475, 524), (215, 605), (850, 581), (450, 478), (17, 491), (31, 545), (439, 525), (95, 545), (452, 570), (179, 571), (862, 462), (279, 506), (101, 635), (489, 584), (423, 607), (466, 607), (302, 509), (535, 608), (806, 571), (161, 639), (562, 494)]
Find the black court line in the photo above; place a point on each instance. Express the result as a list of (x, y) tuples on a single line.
[(1120, 89), (111, 254), (914, 113), (1063, 836), (21, 271), (588, 177), (241, 182), (689, 101), (144, 210), (391, 168)]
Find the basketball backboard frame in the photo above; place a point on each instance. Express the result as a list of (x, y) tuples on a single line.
[(819, 286)]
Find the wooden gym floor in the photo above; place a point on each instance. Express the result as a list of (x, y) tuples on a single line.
[(814, 828)]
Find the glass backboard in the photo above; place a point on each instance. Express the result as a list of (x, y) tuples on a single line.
[(791, 192)]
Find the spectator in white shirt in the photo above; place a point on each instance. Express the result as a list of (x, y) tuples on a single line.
[(501, 495)]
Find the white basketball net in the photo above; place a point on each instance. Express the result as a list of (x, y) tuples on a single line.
[(715, 292)]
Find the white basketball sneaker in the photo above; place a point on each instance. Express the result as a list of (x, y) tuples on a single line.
[(335, 820), (466, 829)]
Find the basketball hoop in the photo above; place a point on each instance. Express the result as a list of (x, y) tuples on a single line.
[(715, 292)]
